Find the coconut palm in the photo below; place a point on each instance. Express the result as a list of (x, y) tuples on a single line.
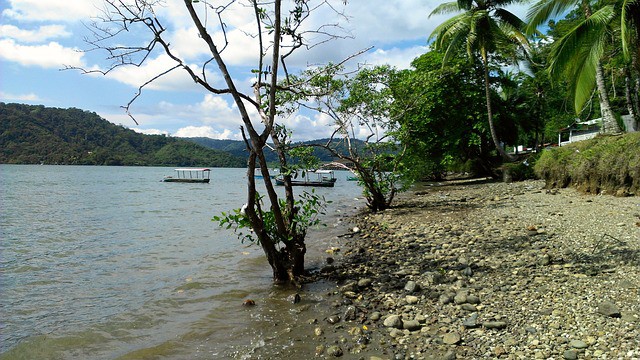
[(483, 28), (578, 53)]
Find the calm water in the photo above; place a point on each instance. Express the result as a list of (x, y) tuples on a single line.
[(109, 262)]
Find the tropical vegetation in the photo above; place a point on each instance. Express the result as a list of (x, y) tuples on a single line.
[(32, 134)]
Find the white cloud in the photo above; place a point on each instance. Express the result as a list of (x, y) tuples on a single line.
[(41, 34), (150, 131), (176, 80), (400, 58), (51, 10), (30, 97), (52, 55), (207, 131)]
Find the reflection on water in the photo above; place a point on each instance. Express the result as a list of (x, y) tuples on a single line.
[(108, 262)]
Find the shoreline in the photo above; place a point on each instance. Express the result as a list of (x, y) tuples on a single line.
[(481, 269)]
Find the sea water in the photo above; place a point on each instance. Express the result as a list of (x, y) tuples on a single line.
[(110, 262)]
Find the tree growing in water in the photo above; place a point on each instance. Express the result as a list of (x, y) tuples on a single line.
[(279, 224)]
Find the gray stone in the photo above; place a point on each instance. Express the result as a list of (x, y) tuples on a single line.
[(469, 307), (363, 283), (544, 260), (411, 299), (570, 355), (411, 286), (393, 321), (471, 321), (411, 325), (460, 298), (375, 316), (451, 338), (578, 344), (444, 299), (472, 299), (449, 355), (607, 308), (333, 319), (494, 324)]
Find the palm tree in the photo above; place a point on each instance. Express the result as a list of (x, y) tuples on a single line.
[(578, 53), (483, 28)]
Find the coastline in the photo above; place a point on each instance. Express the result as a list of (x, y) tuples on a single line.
[(480, 269)]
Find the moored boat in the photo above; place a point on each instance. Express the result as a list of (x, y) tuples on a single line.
[(190, 175), (324, 178)]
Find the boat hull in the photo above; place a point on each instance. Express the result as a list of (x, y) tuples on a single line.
[(308, 183), (186, 180)]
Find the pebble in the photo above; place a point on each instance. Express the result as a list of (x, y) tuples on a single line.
[(393, 321), (494, 324), (578, 344), (607, 308), (451, 338)]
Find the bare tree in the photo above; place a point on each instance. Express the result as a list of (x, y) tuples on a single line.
[(278, 225)]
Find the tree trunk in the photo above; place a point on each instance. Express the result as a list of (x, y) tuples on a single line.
[(487, 89), (633, 111), (635, 74), (609, 122)]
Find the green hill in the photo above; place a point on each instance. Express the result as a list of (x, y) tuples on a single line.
[(36, 134), (237, 148)]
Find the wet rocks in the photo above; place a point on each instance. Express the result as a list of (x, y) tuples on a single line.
[(519, 275)]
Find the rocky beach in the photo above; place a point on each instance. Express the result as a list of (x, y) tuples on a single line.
[(475, 269)]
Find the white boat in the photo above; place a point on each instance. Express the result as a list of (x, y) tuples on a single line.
[(190, 175), (324, 178)]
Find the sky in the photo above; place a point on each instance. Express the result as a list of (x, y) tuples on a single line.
[(40, 38)]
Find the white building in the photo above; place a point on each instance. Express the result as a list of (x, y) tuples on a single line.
[(584, 130)]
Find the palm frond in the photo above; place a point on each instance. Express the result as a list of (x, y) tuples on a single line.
[(507, 17), (544, 10), (441, 29), (585, 34), (629, 19), (586, 76), (445, 8)]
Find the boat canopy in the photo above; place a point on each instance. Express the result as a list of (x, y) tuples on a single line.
[(193, 169)]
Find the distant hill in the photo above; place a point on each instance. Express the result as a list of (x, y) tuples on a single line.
[(36, 134), (238, 148)]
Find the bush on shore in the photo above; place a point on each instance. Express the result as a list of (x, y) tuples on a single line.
[(606, 164)]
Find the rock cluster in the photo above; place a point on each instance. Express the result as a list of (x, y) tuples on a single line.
[(490, 270)]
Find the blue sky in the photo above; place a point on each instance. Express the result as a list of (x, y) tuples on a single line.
[(38, 38)]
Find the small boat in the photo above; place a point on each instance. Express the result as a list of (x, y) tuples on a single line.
[(324, 178), (190, 175)]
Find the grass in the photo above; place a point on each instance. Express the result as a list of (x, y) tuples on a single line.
[(606, 164)]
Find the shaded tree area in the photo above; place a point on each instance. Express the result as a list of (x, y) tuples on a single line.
[(37, 134), (445, 129)]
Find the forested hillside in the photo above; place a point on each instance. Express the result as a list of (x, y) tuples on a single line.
[(237, 148), (36, 134)]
